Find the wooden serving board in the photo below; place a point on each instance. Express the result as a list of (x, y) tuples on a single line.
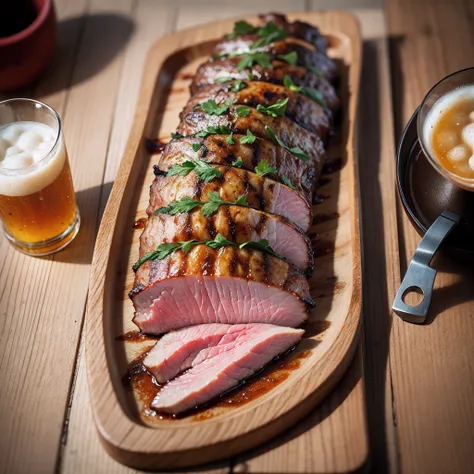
[(285, 392)]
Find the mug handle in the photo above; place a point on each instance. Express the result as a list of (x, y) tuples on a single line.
[(420, 276)]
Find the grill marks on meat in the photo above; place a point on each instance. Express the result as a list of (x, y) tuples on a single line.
[(290, 133), (215, 149), (300, 109), (306, 56), (240, 352), (227, 285), (262, 193), (209, 71), (237, 224)]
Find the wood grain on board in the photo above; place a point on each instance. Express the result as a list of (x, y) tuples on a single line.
[(432, 369)]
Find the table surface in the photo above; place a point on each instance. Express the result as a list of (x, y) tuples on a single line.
[(419, 380)]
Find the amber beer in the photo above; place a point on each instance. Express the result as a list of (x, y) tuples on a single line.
[(37, 202)]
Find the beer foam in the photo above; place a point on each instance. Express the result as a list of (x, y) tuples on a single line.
[(30, 159), (440, 106)]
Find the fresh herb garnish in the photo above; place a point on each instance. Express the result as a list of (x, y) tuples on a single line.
[(268, 34), (249, 59), (196, 146), (211, 107), (250, 76), (213, 130), (202, 169), (164, 250), (230, 139), (288, 182), (288, 83), (209, 207), (264, 168), (277, 109), (248, 138), (242, 110), (238, 162), (297, 151), (222, 80), (177, 135), (290, 58), (242, 28), (238, 85), (314, 70)]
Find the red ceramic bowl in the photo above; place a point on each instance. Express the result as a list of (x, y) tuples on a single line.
[(25, 54)]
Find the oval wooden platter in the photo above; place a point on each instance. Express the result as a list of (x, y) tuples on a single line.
[(129, 431)]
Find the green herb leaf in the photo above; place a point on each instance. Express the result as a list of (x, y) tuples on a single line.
[(290, 58), (264, 168), (196, 146), (261, 245), (315, 95), (238, 162), (288, 83), (238, 85), (186, 204), (242, 28), (210, 107), (242, 110), (161, 252), (230, 139), (248, 138), (203, 170), (277, 109), (314, 70), (242, 201), (250, 76), (297, 151), (288, 182), (211, 130), (268, 34), (222, 80), (249, 59), (177, 135)]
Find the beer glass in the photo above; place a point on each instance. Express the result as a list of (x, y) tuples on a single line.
[(37, 202)]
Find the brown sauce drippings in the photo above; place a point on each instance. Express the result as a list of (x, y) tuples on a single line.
[(146, 388), (321, 218), (186, 76), (140, 223), (154, 145), (136, 336)]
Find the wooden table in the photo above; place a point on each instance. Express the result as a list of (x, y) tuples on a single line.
[(419, 380)]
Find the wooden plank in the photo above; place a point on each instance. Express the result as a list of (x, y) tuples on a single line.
[(433, 374), (43, 299)]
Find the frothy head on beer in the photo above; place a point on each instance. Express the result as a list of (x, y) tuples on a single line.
[(31, 157)]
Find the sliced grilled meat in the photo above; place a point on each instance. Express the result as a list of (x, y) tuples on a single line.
[(209, 71), (300, 109), (290, 133), (305, 56), (238, 224), (215, 149), (298, 29), (241, 353), (227, 285), (261, 193)]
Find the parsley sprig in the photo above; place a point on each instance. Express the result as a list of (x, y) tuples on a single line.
[(249, 59), (205, 171), (278, 109), (268, 34), (248, 138), (309, 92), (164, 250), (213, 130), (263, 168), (242, 28), (211, 107), (290, 58), (237, 84), (297, 151), (210, 207)]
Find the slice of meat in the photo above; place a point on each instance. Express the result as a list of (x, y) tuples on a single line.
[(305, 56), (176, 351), (209, 71), (298, 29), (300, 109), (290, 133), (215, 370), (238, 224), (215, 149), (262, 193), (227, 285)]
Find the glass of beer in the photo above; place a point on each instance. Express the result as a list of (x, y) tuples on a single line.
[(37, 203)]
